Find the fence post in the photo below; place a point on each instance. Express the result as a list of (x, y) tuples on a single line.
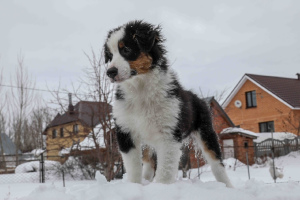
[(246, 147), (273, 150), (198, 164), (42, 169), (255, 151), (286, 147), (63, 176)]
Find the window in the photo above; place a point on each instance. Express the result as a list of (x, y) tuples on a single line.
[(75, 128), (251, 99), (61, 132), (266, 127), (54, 133)]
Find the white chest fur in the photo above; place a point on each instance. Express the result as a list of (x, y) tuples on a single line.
[(146, 110)]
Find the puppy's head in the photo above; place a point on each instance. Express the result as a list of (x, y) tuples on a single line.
[(132, 49)]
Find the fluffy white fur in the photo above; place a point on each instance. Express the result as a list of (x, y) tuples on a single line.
[(150, 118), (148, 171)]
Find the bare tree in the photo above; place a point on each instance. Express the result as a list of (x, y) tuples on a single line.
[(40, 118), (218, 95), (96, 87), (100, 89), (21, 101), (291, 123), (2, 122)]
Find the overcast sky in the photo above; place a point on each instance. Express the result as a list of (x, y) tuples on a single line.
[(211, 44)]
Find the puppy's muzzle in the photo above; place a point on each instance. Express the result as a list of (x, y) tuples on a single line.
[(112, 72)]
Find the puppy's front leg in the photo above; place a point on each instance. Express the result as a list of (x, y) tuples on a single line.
[(168, 155), (131, 154)]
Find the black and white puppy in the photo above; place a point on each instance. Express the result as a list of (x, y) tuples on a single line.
[(151, 107)]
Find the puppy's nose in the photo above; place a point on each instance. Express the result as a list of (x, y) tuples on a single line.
[(112, 72)]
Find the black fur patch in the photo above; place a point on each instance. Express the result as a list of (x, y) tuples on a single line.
[(119, 94), (194, 116), (175, 89), (124, 140), (203, 123)]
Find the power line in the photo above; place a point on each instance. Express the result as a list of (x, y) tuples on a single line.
[(26, 88), (41, 90)]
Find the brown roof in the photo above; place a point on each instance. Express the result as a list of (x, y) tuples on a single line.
[(87, 112), (287, 89)]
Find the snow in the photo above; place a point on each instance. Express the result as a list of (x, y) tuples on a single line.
[(88, 143), (38, 152), (238, 130), (34, 166), (260, 187), (276, 135)]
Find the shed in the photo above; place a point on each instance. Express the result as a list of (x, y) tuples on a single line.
[(236, 142)]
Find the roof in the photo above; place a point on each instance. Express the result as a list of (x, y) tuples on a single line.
[(286, 90), (235, 130), (211, 100), (8, 146), (87, 112)]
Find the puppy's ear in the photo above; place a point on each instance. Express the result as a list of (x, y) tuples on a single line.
[(146, 38), (107, 54)]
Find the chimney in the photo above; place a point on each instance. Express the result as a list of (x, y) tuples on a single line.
[(298, 74), (71, 107)]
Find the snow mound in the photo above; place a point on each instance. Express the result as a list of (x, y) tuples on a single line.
[(181, 190), (49, 193), (100, 178), (291, 159), (232, 162), (34, 166)]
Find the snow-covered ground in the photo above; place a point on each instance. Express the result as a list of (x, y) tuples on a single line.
[(260, 186)]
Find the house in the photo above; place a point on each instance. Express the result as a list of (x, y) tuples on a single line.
[(7, 146), (73, 126), (265, 104)]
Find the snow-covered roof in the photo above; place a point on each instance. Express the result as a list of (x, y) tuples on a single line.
[(276, 135), (38, 152), (239, 130)]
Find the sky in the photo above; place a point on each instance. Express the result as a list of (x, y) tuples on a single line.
[(211, 44)]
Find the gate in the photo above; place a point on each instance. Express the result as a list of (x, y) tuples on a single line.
[(281, 148), (228, 148)]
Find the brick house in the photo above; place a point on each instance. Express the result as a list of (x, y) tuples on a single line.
[(265, 104), (73, 126)]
